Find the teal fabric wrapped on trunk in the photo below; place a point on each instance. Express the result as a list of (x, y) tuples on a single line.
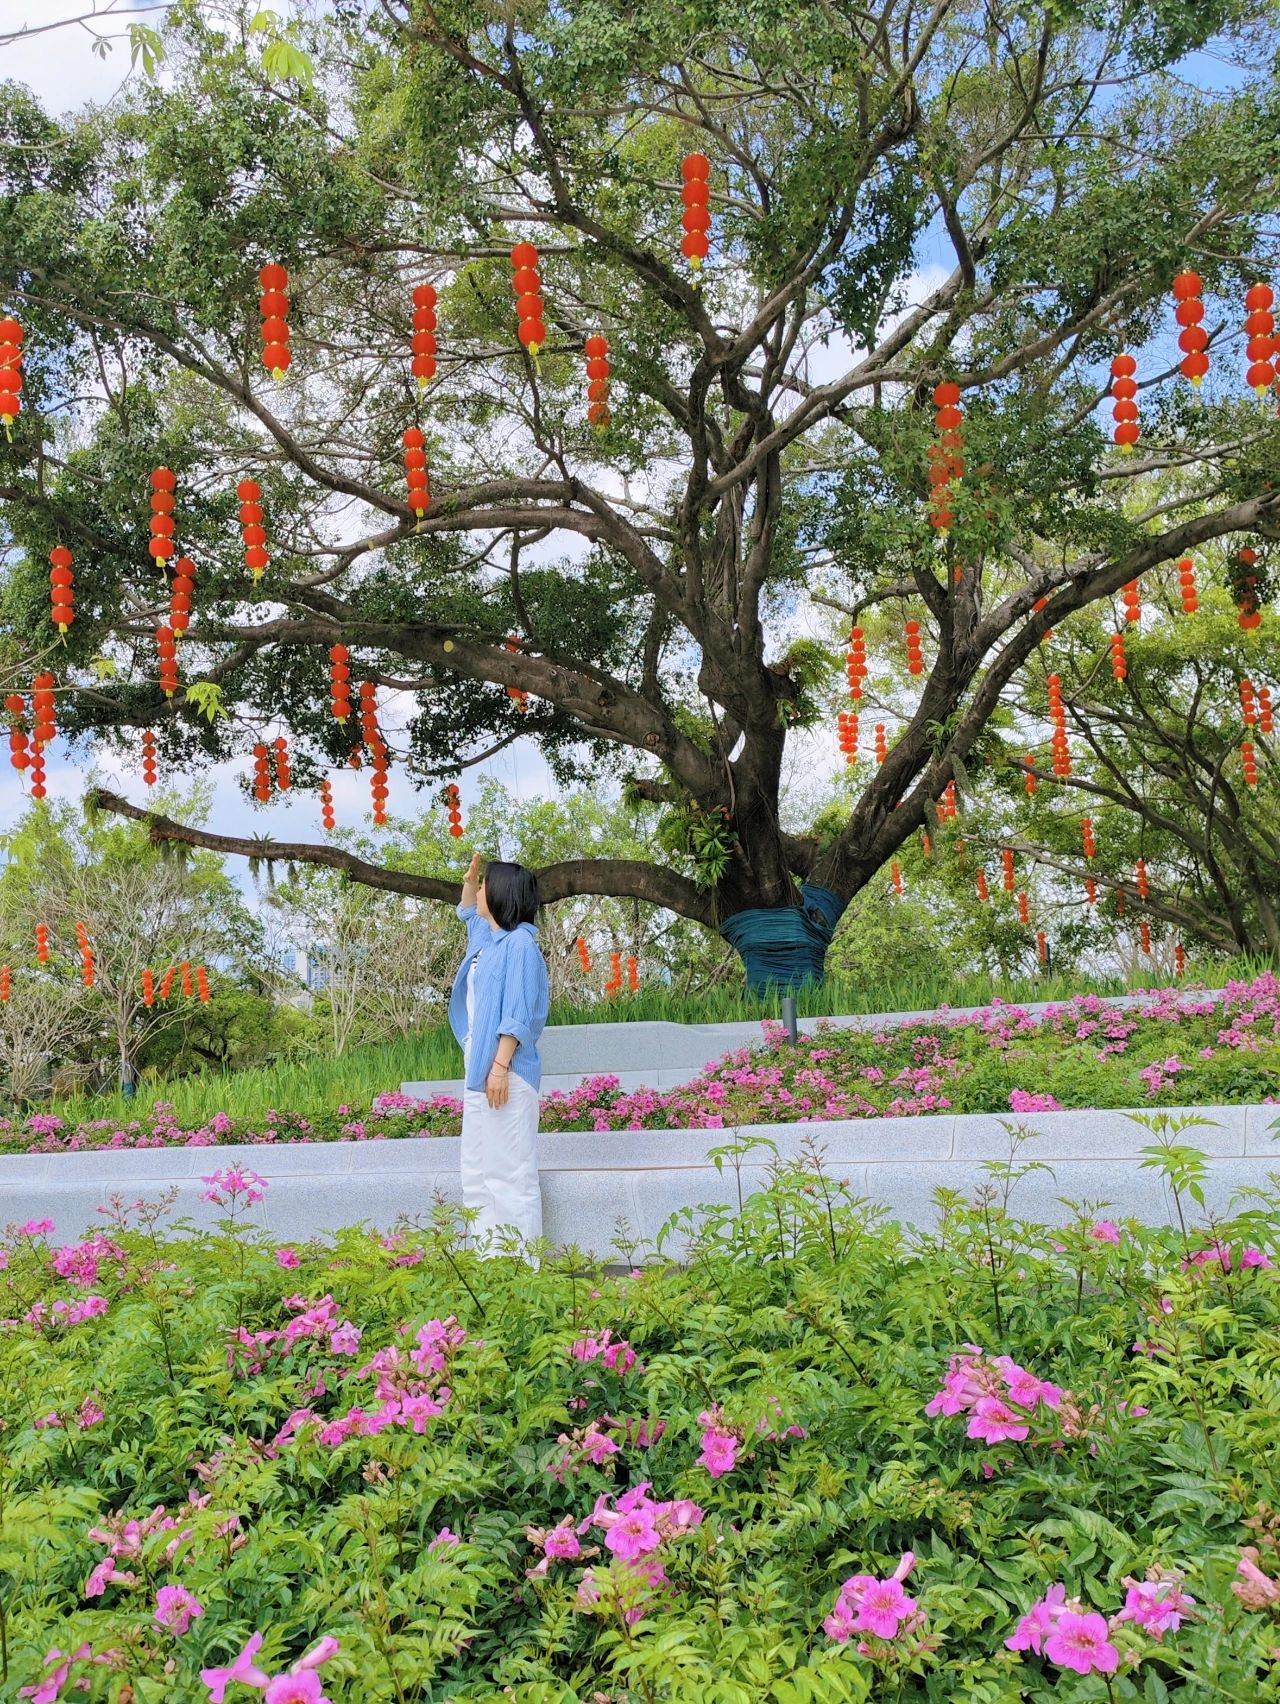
[(785, 946)]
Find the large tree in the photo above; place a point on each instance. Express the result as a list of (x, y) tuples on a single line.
[(988, 195)]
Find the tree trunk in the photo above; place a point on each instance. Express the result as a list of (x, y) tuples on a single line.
[(784, 947)]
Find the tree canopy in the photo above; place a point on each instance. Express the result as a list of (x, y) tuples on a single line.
[(645, 578)]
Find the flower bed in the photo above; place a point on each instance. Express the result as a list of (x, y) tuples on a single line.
[(823, 1462), (1181, 1048)]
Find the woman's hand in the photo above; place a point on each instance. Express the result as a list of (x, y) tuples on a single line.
[(497, 1086), (471, 883)]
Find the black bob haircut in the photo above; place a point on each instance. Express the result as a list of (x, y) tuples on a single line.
[(511, 893)]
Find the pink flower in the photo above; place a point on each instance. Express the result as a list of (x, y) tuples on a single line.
[(994, 1422), (344, 1339), (1157, 1606), (47, 1690), (633, 1534), (242, 1670), (1036, 1626), (288, 1258), (1105, 1231), (719, 1453), (1255, 1257), (1080, 1642), (38, 1228), (302, 1688), (883, 1608), (176, 1609), (444, 1540), (562, 1541)]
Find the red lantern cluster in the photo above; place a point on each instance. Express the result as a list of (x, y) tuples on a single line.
[(415, 471), (10, 373), (167, 653), (1249, 761), (882, 745), (1179, 959), (340, 682), (1144, 886), (252, 531), (1122, 904), (61, 583), (424, 333), (895, 871), (180, 592), (1132, 596), (273, 304), (855, 663), (1058, 716), (164, 483), (38, 788), (915, 657), (1144, 935), (326, 804), (150, 774), (1091, 890), (1265, 719), (187, 986), (44, 721), (16, 705), (86, 955), (946, 463), (453, 804), (598, 369), (947, 806), (1086, 835), (261, 773), (1029, 766), (148, 988), (166, 981), (1006, 860), (42, 942), (926, 844), (518, 696), (6, 984), (1248, 705), (980, 881), (1193, 339), (1244, 587), (1024, 907), (284, 777), (1119, 666), (633, 974), (847, 734), (1042, 946), (584, 957), (369, 731), (527, 284), (202, 984), (1124, 411), (1261, 349), (1187, 585), (695, 170), (379, 787)]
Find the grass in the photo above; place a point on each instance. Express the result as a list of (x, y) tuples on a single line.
[(320, 1083)]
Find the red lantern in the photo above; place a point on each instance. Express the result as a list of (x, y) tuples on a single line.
[(598, 369), (1187, 585), (61, 581), (1193, 339), (202, 984), (926, 844), (16, 705), (896, 872), (167, 652), (181, 589), (584, 958), (273, 304), (516, 694), (1265, 723), (415, 471), (148, 988), (284, 779), (6, 985), (947, 803), (1249, 761), (1144, 935), (340, 682), (187, 988), (915, 657), (149, 772), (42, 942), (614, 983), (1124, 392), (38, 789), (86, 955), (453, 802), (379, 789), (633, 974), (261, 773), (1260, 325), (856, 664), (1119, 667), (1144, 886), (326, 804), (1132, 595), (1091, 890), (11, 335), (424, 334), (1024, 907), (847, 734), (251, 527), (164, 482), (946, 463), (44, 725), (1248, 708), (882, 747), (1042, 947), (1244, 587), (1006, 859), (369, 714), (1086, 834), (166, 982), (695, 169), (1030, 782), (980, 881), (530, 312), (1179, 959)]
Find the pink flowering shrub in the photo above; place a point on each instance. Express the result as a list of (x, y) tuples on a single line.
[(998, 1461)]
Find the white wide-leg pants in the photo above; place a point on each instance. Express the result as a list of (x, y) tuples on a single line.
[(500, 1163)]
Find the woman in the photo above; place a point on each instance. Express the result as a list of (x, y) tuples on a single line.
[(497, 1011)]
